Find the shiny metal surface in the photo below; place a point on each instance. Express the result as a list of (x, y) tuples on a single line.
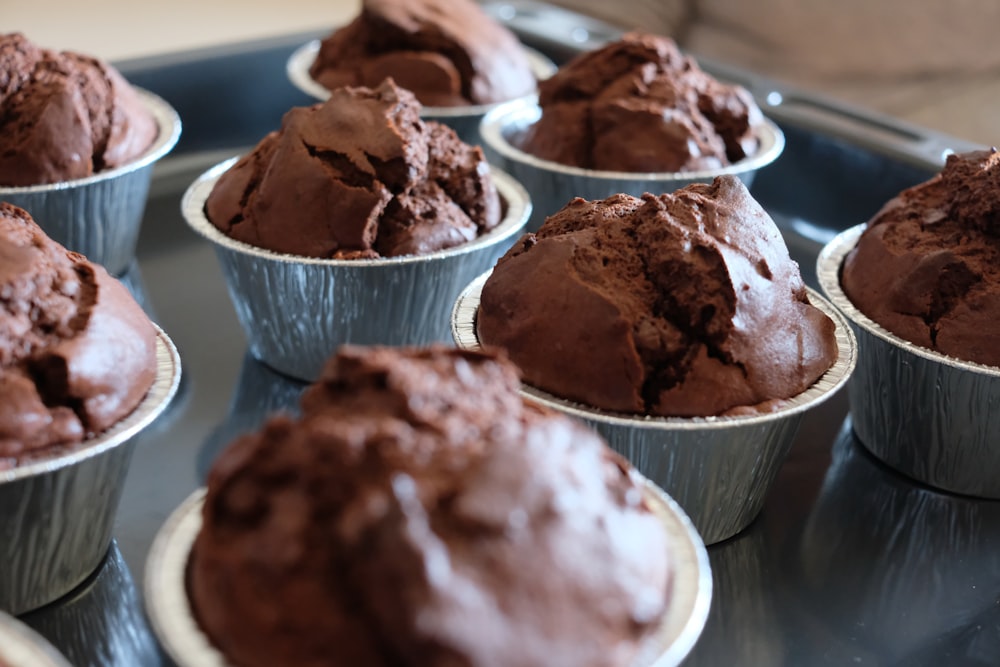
[(552, 185), (386, 301), (100, 216), (464, 120), (174, 623), (101, 623), (719, 469), (20, 646), (58, 511), (930, 416)]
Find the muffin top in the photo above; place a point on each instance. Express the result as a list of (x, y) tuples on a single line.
[(683, 304), (927, 268), (640, 105), (65, 116), (447, 52), (77, 354), (419, 513), (359, 176)]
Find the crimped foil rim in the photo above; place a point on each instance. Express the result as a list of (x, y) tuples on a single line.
[(491, 129), (20, 646), (169, 125), (298, 64), (828, 265), (511, 192), (161, 392), (174, 623), (463, 329)]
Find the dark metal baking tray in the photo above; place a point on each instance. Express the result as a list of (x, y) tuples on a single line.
[(849, 563)]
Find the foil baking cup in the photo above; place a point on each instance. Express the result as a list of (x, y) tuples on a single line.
[(552, 185), (719, 469), (463, 119), (297, 310), (174, 622), (58, 510), (100, 216), (925, 414), (20, 646)]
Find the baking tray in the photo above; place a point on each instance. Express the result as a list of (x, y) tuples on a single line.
[(849, 563)]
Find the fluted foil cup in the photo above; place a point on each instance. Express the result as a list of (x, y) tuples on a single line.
[(175, 625), (297, 310), (59, 509), (719, 469), (20, 646), (463, 119), (100, 216), (551, 184), (933, 418)]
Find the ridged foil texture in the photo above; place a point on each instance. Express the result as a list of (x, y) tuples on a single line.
[(174, 623), (927, 415), (58, 512), (552, 185), (297, 310), (100, 216), (20, 646), (889, 566), (719, 469), (464, 120)]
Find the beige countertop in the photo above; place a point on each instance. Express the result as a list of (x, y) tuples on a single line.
[(121, 29)]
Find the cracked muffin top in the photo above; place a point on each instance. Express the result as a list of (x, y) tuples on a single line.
[(421, 514), (640, 105), (927, 267), (77, 353), (683, 304), (446, 52), (65, 116), (359, 176)]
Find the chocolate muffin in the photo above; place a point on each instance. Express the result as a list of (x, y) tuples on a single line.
[(927, 267), (640, 105), (77, 354), (419, 513), (447, 52), (683, 304), (65, 116), (359, 176)]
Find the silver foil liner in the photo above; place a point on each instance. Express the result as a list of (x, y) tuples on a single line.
[(552, 185), (58, 511), (20, 646), (297, 310), (927, 415), (175, 625), (100, 216), (719, 469), (464, 120)]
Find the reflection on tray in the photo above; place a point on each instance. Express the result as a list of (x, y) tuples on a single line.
[(260, 392), (742, 627), (900, 568), (101, 623)]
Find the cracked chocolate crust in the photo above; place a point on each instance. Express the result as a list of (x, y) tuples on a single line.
[(673, 305), (77, 354), (359, 176), (446, 52), (65, 116), (928, 266)]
